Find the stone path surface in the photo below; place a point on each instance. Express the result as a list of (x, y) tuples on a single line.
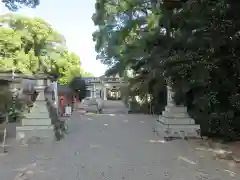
[(112, 146)]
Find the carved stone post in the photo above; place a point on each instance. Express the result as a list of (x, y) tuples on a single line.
[(175, 121), (170, 96)]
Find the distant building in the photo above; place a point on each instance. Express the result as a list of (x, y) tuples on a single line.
[(104, 87)]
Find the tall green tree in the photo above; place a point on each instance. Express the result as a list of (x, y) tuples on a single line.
[(127, 38), (30, 45), (189, 43)]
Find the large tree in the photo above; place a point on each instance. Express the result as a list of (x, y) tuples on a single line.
[(29, 45), (192, 44), (78, 86)]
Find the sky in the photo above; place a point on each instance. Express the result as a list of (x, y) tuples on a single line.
[(71, 18)]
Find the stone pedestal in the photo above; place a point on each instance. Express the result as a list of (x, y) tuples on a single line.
[(175, 121), (37, 123)]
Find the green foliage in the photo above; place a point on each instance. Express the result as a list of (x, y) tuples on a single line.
[(191, 44), (126, 39), (78, 85), (30, 45), (5, 96), (14, 5), (15, 112)]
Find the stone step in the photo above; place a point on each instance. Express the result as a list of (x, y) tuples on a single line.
[(37, 115), (177, 131), (30, 128), (39, 107), (28, 134), (39, 111), (175, 115), (36, 122), (176, 109), (176, 121)]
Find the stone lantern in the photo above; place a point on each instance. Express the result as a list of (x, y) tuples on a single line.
[(37, 123), (175, 121)]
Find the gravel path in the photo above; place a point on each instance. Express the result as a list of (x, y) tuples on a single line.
[(112, 147)]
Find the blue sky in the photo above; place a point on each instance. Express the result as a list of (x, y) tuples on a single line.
[(71, 18)]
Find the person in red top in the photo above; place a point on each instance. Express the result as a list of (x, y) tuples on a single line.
[(62, 108)]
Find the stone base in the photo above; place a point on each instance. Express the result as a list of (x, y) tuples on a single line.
[(36, 121), (27, 134), (176, 128), (174, 120)]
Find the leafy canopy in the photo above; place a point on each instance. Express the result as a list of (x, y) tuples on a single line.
[(29, 45), (191, 44), (14, 5)]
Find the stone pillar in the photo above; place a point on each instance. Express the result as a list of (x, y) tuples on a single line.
[(104, 93), (55, 89), (77, 101), (94, 90), (92, 95), (175, 121), (37, 123), (170, 95)]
